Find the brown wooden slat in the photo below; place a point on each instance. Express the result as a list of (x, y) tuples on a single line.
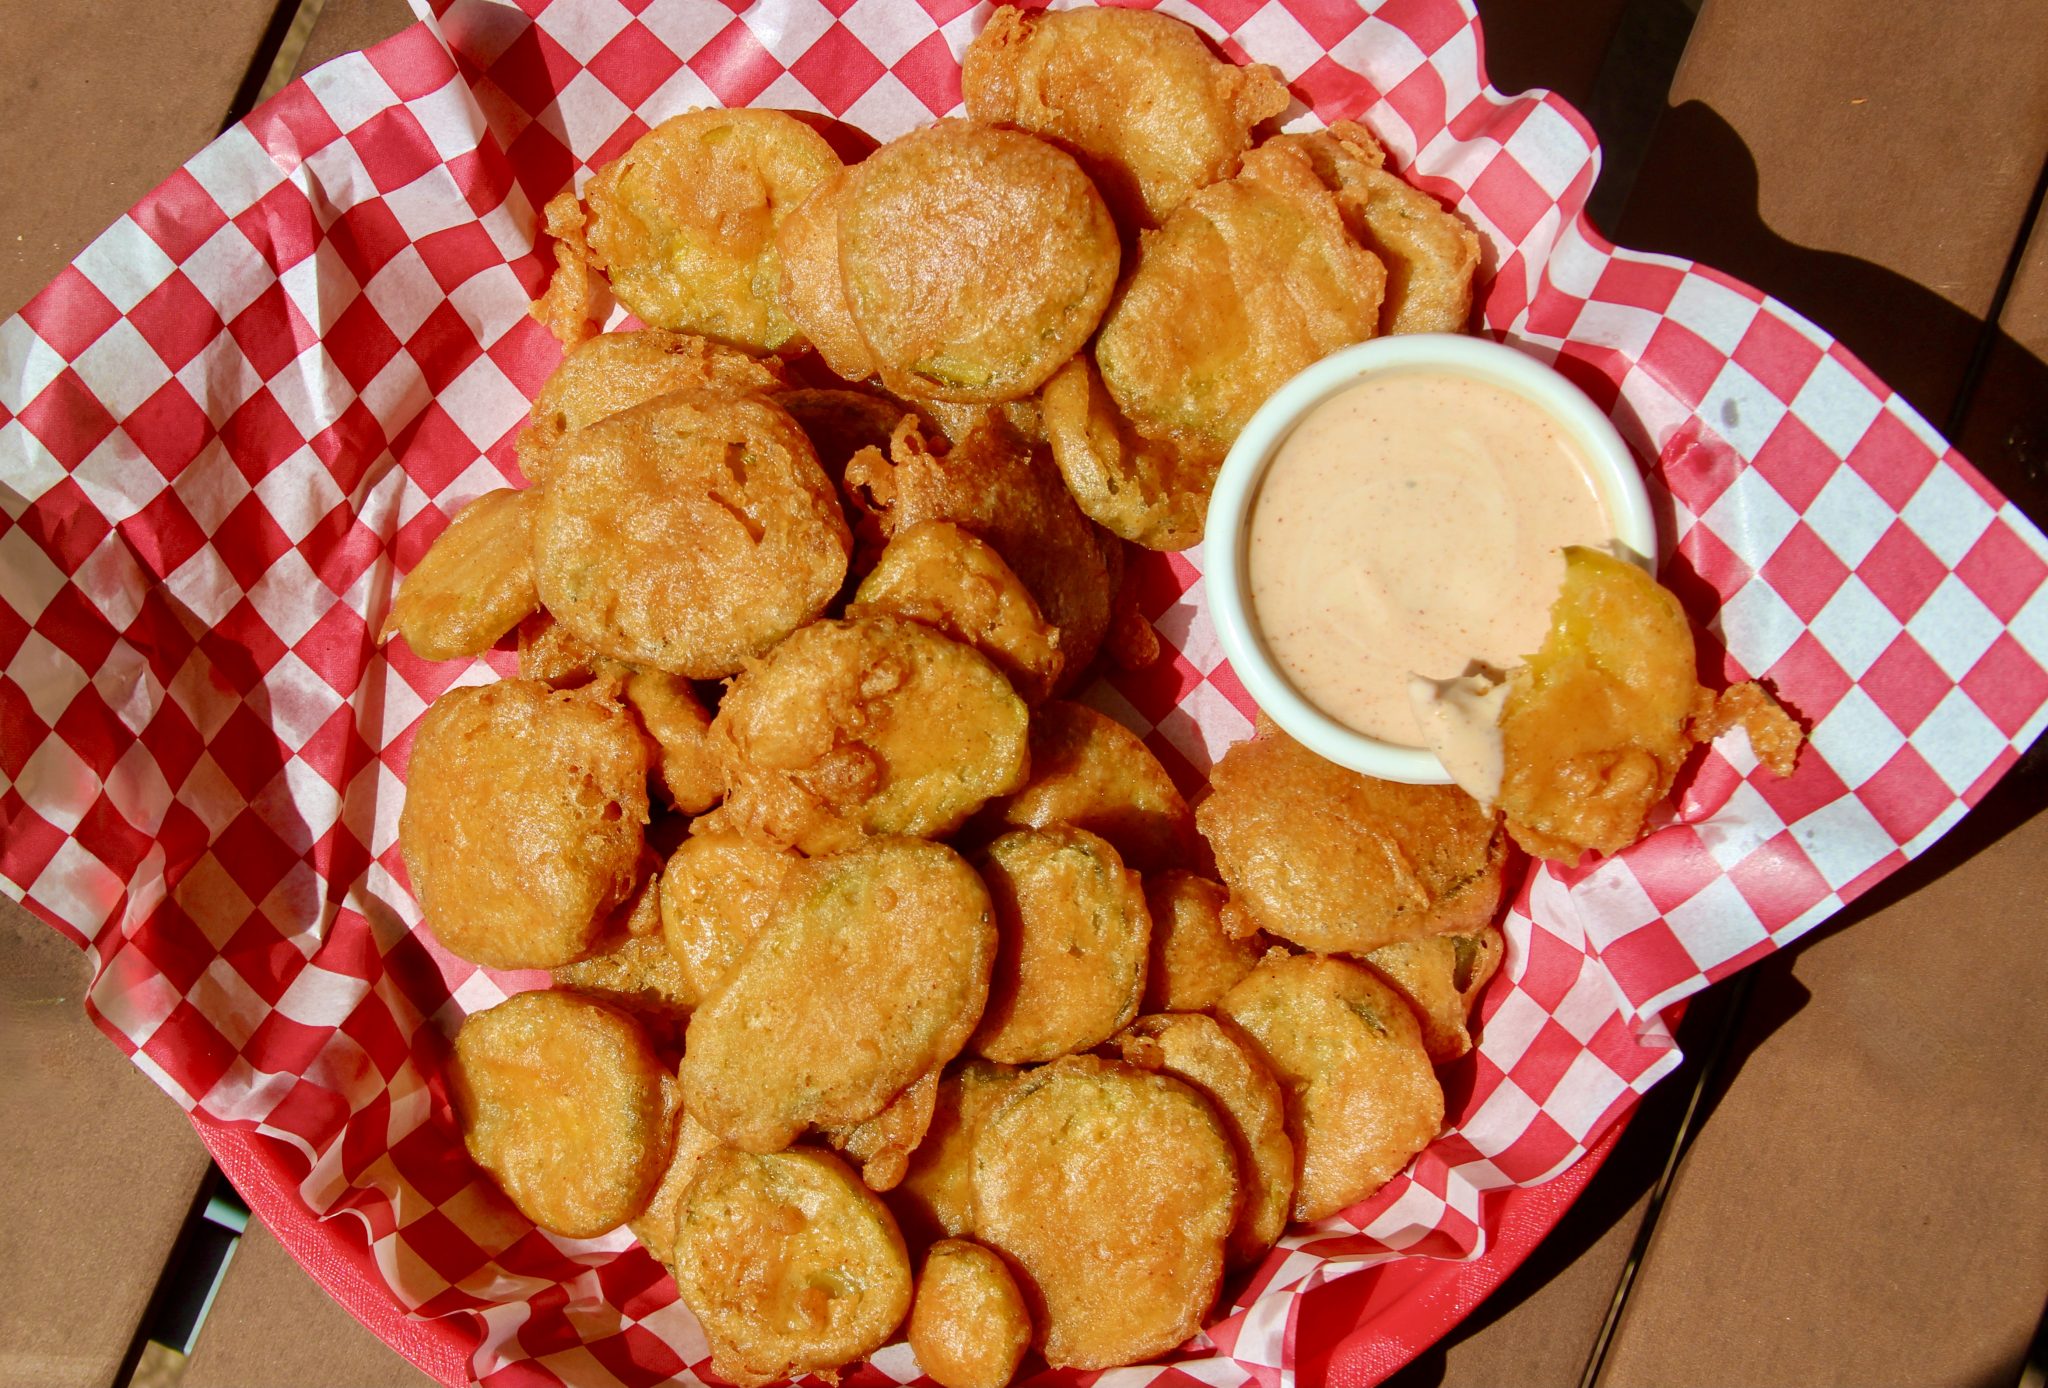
[(1867, 164), (97, 1171), (1868, 1202), (273, 1327), (106, 100), (347, 25)]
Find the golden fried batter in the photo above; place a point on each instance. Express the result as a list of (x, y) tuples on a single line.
[(1224, 1066), (689, 533), (716, 893), (1249, 281), (632, 968), (1090, 771), (871, 971), (1153, 494), (1430, 253), (523, 820), (957, 421), (677, 720), (1361, 1098), (615, 371), (1138, 97), (567, 307), (1111, 1190), (1774, 735), (1376, 861), (975, 260), (562, 1101), (790, 1265), (883, 1144), (1071, 966), (936, 1197), (655, 1226), (939, 574), (873, 726), (968, 1325), (1440, 978), (993, 486), (840, 423), (683, 223), (474, 583), (1195, 961), (1594, 729), (813, 294), (556, 656)]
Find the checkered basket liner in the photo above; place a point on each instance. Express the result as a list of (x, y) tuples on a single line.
[(248, 407)]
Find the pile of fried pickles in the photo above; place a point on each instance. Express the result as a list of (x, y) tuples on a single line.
[(872, 952)]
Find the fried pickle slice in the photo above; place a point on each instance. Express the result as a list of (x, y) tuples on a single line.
[(524, 817), (689, 533), (1148, 109), (1195, 960), (1595, 726), (1112, 1191), (1440, 978), (562, 1101), (813, 292), (717, 891), (1361, 1096), (939, 574), (883, 1144), (689, 773), (474, 583), (683, 223), (871, 972), (871, 726), (968, 1324), (1152, 493), (616, 371), (655, 1226), (1249, 281), (1090, 771), (1224, 1066), (935, 1199), (995, 487), (953, 301), (1071, 966), (1431, 253), (791, 1266), (1376, 862)]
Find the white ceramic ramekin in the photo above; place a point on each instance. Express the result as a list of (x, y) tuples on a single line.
[(1615, 475)]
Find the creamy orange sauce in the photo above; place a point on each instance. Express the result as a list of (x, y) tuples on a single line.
[(1414, 525)]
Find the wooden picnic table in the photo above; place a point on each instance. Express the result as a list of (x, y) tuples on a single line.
[(1847, 1183)]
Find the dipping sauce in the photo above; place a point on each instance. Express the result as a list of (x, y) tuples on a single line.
[(1413, 525)]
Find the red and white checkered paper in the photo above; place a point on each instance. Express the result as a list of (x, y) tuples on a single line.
[(245, 409)]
